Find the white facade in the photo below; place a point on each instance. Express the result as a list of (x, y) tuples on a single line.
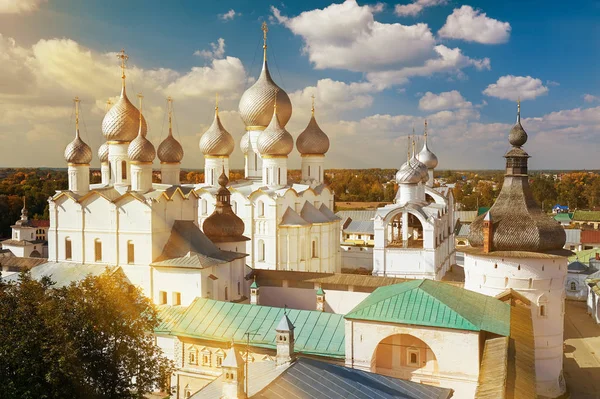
[(541, 279)]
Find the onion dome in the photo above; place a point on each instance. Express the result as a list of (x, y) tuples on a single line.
[(426, 156), (408, 175), (518, 223), (141, 149), (170, 150), (217, 141), (103, 153), (517, 136), (245, 143), (257, 102), (78, 152), (275, 140), (121, 121), (223, 225), (313, 140)]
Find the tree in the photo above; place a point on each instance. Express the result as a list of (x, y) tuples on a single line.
[(90, 339), (544, 191)]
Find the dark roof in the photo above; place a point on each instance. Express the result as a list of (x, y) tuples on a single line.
[(310, 378), (357, 215), (517, 221), (13, 263), (40, 223), (191, 248), (360, 226), (434, 304)]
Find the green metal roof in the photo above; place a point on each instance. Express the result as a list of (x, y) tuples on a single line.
[(169, 316), (482, 209), (315, 332), (563, 217), (435, 304), (584, 256), (587, 216), (320, 291)]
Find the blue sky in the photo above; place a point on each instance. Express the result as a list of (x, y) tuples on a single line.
[(347, 54)]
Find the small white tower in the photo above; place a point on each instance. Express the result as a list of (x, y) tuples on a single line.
[(170, 153), (285, 341), (312, 144), (233, 375), (320, 300), (217, 145), (428, 158), (78, 156), (254, 293), (141, 152)]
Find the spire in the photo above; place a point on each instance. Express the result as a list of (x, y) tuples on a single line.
[(408, 146), (76, 100), (170, 111), (141, 98), (123, 58), (312, 109), (425, 133), (265, 29), (519, 110)]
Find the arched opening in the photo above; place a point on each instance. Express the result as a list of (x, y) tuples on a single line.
[(261, 251), (573, 286), (404, 356), (461, 243), (97, 250), (68, 249), (124, 170), (405, 231), (260, 208), (130, 252), (429, 198), (314, 249)]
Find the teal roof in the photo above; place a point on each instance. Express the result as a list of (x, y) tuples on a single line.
[(254, 285), (169, 316), (435, 304), (320, 291), (584, 256), (563, 217), (315, 332)]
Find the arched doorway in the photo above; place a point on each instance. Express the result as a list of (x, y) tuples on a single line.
[(407, 357), (405, 231)]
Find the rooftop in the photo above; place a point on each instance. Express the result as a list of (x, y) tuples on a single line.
[(64, 273), (586, 216), (434, 304)]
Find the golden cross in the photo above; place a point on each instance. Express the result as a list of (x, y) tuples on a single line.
[(123, 57), (265, 29), (425, 128), (170, 110), (313, 104)]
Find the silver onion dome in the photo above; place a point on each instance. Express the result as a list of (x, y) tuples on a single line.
[(313, 140), (408, 175), (275, 140), (103, 153), (170, 150), (77, 152), (427, 157), (217, 141), (517, 136), (141, 149)]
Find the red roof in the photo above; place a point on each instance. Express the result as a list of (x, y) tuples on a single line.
[(40, 223), (590, 236)]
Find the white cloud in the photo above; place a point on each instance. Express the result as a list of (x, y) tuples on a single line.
[(416, 7), (229, 15), (511, 87), (19, 6), (443, 101), (474, 26), (217, 50), (589, 98), (552, 83)]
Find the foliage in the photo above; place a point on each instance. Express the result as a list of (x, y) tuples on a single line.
[(87, 340)]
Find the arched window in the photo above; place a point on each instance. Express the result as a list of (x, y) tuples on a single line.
[(68, 249), (204, 206), (130, 252), (314, 252), (309, 170), (239, 286), (542, 306), (573, 286), (97, 250), (124, 170), (260, 208), (226, 293), (261, 251), (278, 176)]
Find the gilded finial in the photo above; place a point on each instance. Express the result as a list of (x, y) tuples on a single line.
[(275, 103), (170, 111), (413, 146), (312, 109), (141, 97), (123, 57), (519, 109), (408, 146), (76, 100), (217, 103), (265, 29)]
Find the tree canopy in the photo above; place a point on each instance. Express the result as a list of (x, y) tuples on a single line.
[(91, 339)]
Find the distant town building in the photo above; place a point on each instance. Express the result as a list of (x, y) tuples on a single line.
[(28, 237)]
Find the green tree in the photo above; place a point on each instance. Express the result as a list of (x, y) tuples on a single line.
[(90, 339), (544, 191)]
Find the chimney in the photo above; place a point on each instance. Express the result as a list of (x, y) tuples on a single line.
[(320, 300), (254, 292), (285, 341), (233, 375), (488, 233)]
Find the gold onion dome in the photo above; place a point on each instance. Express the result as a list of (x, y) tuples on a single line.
[(121, 122), (170, 150), (245, 143), (312, 141), (257, 102), (77, 152), (223, 225), (517, 136), (275, 140), (103, 153), (141, 149), (426, 156), (217, 141)]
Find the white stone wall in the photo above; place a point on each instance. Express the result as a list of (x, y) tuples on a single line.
[(355, 257), (542, 281)]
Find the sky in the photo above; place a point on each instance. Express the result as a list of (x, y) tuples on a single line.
[(377, 70)]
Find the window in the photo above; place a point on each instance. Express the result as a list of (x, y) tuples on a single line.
[(261, 208), (162, 297), (239, 285), (124, 170), (206, 358), (308, 170), (226, 293), (97, 250), (255, 162), (130, 252), (278, 176), (543, 311), (193, 357), (573, 286), (177, 298), (412, 357), (204, 206), (68, 249), (542, 303), (314, 253), (261, 251), (219, 360)]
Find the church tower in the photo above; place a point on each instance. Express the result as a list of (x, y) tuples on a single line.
[(78, 156), (141, 154), (312, 144), (233, 375), (274, 145), (256, 110), (285, 341), (217, 145), (170, 153), (516, 246)]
